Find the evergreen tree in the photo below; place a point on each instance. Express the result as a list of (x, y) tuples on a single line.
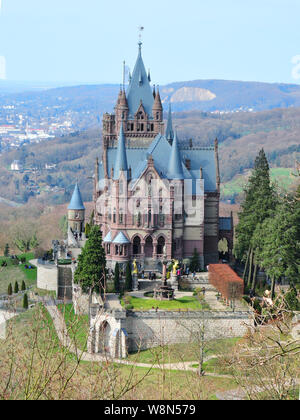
[(91, 269), (9, 290), (25, 301), (128, 281), (292, 299), (16, 290), (280, 253), (23, 287), (92, 223), (6, 250), (195, 261), (259, 203), (87, 230), (117, 278)]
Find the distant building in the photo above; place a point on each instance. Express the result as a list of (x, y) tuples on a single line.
[(16, 166)]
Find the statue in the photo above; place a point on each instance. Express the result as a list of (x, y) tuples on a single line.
[(175, 267), (135, 268)]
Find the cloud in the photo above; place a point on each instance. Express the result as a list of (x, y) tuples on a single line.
[(2, 67), (296, 68)]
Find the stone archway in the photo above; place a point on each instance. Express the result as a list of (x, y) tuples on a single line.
[(149, 247), (104, 337)]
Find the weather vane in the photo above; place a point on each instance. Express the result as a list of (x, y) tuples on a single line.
[(141, 29)]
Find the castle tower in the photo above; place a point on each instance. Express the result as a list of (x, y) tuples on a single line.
[(138, 110), (76, 212)]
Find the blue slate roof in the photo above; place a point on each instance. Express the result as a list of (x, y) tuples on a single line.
[(139, 89), (160, 149), (225, 223), (121, 157), (76, 202), (108, 238), (121, 239)]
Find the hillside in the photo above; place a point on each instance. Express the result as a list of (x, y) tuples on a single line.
[(283, 178), (88, 102), (241, 136)]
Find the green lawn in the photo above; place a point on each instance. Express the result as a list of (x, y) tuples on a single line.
[(13, 273), (184, 303), (281, 176), (184, 352), (78, 326)]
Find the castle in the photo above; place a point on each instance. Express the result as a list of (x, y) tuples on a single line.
[(153, 197)]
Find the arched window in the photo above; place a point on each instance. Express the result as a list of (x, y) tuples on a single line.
[(137, 246), (161, 245)]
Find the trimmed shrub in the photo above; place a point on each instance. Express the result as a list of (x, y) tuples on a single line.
[(16, 289), (23, 287), (9, 290), (226, 281), (25, 301)]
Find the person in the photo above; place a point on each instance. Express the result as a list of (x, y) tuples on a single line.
[(188, 270), (143, 274), (194, 274), (150, 275), (203, 291)]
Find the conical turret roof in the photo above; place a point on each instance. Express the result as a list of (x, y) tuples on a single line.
[(121, 158), (169, 129), (175, 164), (157, 106), (76, 202)]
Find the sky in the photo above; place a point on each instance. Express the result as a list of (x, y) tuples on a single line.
[(75, 41)]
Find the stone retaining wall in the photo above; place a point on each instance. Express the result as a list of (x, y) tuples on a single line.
[(150, 329)]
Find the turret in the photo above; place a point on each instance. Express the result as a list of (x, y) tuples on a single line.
[(157, 109), (121, 158), (76, 212), (169, 129)]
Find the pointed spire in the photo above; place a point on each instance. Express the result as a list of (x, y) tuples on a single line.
[(169, 129), (123, 100), (121, 158), (154, 91), (157, 106), (175, 165), (139, 88), (76, 202)]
